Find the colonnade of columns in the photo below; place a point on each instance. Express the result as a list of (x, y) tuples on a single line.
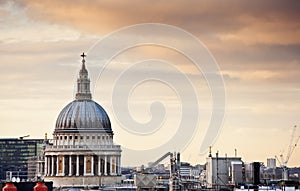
[(82, 165)]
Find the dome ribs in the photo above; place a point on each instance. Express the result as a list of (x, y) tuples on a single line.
[(83, 115)]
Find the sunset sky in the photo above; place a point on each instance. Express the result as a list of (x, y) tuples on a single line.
[(256, 44)]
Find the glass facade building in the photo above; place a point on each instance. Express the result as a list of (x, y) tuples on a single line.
[(14, 155)]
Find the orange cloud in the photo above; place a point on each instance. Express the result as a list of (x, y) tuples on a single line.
[(249, 22)]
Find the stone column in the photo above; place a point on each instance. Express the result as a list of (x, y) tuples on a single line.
[(70, 165), (105, 165), (119, 165), (99, 165), (116, 166), (49, 165), (77, 165), (52, 165), (92, 165), (111, 165), (46, 166), (84, 165)]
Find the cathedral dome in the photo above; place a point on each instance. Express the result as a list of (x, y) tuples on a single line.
[(83, 114)]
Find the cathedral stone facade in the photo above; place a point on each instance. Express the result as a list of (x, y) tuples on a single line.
[(83, 152)]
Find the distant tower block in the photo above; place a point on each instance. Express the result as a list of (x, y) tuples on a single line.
[(83, 152), (271, 163), (219, 168)]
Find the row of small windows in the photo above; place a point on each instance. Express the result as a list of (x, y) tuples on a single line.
[(81, 137)]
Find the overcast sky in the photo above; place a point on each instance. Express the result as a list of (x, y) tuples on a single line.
[(256, 44)]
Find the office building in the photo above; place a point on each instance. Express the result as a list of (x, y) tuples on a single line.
[(218, 171), (14, 155)]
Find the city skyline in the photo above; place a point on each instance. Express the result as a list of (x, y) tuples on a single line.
[(256, 45)]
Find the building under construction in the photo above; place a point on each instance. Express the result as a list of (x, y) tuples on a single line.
[(179, 177)]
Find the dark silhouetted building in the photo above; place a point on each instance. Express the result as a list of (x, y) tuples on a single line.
[(14, 155)]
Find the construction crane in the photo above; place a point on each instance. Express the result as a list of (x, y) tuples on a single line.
[(174, 181), (284, 161), (158, 161), (24, 137)]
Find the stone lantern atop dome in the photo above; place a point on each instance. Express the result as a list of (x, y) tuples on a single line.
[(83, 83)]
